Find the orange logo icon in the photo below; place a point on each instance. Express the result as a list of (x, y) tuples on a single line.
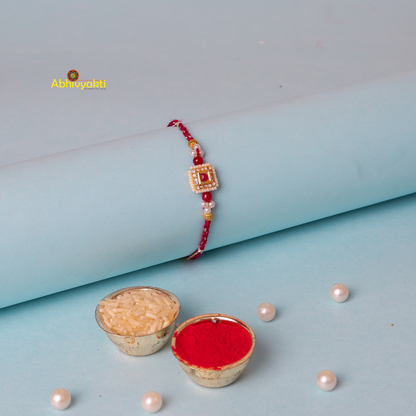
[(73, 75)]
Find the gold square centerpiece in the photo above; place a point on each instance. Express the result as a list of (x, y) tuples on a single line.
[(203, 178)]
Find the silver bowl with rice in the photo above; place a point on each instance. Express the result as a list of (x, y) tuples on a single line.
[(139, 320)]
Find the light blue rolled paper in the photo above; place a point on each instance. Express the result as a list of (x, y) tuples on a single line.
[(80, 216)]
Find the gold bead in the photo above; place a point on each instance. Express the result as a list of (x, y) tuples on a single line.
[(209, 217), (192, 143)]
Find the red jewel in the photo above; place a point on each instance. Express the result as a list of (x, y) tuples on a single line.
[(204, 177), (198, 160), (202, 246), (207, 196)]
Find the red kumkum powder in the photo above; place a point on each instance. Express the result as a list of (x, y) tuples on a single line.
[(211, 344)]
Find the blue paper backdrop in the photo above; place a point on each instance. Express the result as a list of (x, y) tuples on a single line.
[(100, 211)]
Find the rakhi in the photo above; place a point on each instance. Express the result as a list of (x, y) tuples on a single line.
[(203, 180)]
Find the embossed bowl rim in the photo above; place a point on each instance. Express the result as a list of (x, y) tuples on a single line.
[(113, 295), (207, 317)]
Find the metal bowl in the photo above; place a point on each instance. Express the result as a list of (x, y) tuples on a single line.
[(222, 376), (144, 344)]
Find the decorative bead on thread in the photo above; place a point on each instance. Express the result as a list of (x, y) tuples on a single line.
[(198, 160), (195, 153), (207, 196), (203, 179), (209, 216)]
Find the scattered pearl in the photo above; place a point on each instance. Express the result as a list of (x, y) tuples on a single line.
[(152, 402), (339, 293), (60, 399), (266, 312), (326, 380)]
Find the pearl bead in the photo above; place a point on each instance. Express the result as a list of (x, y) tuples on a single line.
[(196, 146), (266, 312), (207, 210), (60, 399), (326, 380), (339, 292), (212, 204), (195, 153), (204, 204), (152, 402)]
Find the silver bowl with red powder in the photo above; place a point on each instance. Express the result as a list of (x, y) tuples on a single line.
[(213, 349)]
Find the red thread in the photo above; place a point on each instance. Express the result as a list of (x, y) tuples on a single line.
[(212, 345), (172, 123), (197, 253)]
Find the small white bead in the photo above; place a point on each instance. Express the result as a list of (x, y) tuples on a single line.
[(212, 204), (203, 204), (207, 210), (326, 380), (152, 402), (266, 312), (60, 399), (339, 292), (196, 146)]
